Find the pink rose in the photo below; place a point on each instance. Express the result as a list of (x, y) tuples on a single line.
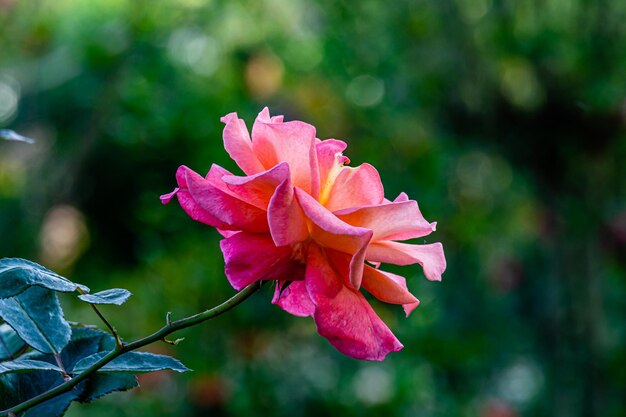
[(319, 228)]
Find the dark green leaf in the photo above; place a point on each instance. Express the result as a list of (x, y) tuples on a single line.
[(26, 365), (117, 296), (6, 392), (37, 317), (22, 387), (16, 275), (103, 384), (84, 343), (55, 407), (10, 343), (17, 388), (7, 134), (133, 362)]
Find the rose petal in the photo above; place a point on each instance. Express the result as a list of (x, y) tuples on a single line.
[(329, 231), (330, 161), (227, 233), (408, 308), (166, 198), (211, 196), (285, 216), (401, 197), (355, 187), (294, 299), (215, 175), (343, 316), (387, 287), (257, 189), (189, 203), (430, 256), (264, 116), (238, 144), (392, 221), (292, 142), (252, 257)]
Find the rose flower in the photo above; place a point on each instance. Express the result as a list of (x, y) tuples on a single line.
[(319, 228)]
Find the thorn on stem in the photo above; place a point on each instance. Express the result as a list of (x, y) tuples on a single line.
[(118, 341), (168, 318), (173, 342), (83, 325)]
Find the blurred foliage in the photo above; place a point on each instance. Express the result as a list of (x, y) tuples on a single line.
[(504, 119)]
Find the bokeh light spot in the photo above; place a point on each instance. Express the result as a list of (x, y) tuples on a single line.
[(520, 85), (63, 237), (304, 55), (9, 97), (520, 382), (264, 75), (366, 91), (372, 385), (193, 49), (474, 10)]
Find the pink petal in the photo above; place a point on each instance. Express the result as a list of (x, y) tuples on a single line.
[(430, 256), (329, 231), (294, 299), (252, 257), (215, 175), (210, 196), (292, 142), (387, 287), (257, 189), (285, 216), (408, 308), (227, 233), (390, 221), (401, 197), (355, 187), (264, 116), (330, 161), (238, 144), (189, 203), (343, 316), (166, 198)]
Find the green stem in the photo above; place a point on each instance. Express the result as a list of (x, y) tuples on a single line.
[(169, 328), (118, 340), (64, 374)]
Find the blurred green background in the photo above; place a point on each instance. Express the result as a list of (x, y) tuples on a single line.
[(506, 120)]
